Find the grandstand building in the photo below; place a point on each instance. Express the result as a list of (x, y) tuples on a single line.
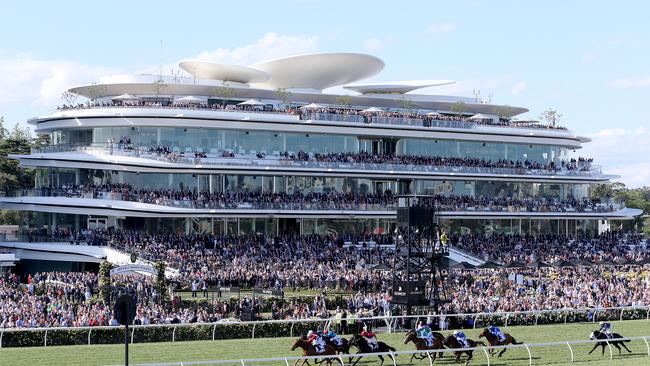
[(262, 148)]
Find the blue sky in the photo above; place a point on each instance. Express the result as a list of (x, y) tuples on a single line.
[(588, 60)]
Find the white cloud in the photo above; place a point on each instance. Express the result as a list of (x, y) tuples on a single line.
[(622, 152), (271, 45), (519, 87), (441, 28), (40, 82), (374, 44), (631, 82)]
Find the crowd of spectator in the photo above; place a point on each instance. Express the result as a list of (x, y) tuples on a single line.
[(380, 200)]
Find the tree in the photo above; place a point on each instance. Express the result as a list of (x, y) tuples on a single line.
[(283, 96), (159, 87), (224, 93), (69, 98), (104, 281), (406, 104), (459, 108), (551, 117), (504, 112), (344, 100), (161, 282), (95, 91)]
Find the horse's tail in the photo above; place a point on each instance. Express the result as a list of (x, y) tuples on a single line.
[(481, 343), (514, 341), (392, 349)]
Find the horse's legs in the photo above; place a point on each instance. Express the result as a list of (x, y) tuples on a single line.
[(617, 346), (458, 356), (382, 359), (470, 354), (595, 346), (355, 362), (412, 356), (502, 352), (624, 346), (603, 354)]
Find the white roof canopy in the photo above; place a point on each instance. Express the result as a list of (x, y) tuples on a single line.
[(190, 99), (252, 102), (484, 116), (125, 97), (312, 106), (372, 110)]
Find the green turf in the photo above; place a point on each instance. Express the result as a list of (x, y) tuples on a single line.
[(279, 347)]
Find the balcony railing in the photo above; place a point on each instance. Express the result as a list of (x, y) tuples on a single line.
[(388, 205), (276, 161)]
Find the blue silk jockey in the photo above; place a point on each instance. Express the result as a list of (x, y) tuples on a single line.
[(497, 332), (462, 338), (424, 332), (606, 328), (333, 337)]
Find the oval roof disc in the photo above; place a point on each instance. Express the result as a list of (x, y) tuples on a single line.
[(319, 71), (225, 72)]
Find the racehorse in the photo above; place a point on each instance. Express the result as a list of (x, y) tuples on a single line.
[(452, 342), (362, 345), (309, 350), (421, 344), (344, 348), (494, 340), (605, 340)]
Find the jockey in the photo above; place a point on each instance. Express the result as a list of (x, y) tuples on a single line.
[(333, 337), (316, 340), (497, 332), (371, 338), (424, 332), (606, 327), (460, 337)]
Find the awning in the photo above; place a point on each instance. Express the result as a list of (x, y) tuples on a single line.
[(372, 110), (312, 106), (125, 97), (191, 100), (252, 102)]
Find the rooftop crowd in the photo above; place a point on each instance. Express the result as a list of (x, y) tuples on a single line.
[(426, 119), (320, 200)]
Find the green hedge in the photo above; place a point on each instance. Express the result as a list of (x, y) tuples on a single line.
[(62, 336)]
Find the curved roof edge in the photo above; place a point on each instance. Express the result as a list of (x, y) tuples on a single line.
[(396, 87), (225, 72)]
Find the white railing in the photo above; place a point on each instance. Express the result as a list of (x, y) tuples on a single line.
[(390, 322), (393, 355)]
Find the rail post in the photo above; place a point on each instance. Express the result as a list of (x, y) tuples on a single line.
[(647, 345), (487, 355), (341, 359), (286, 362), (475, 320), (291, 329), (90, 330), (174, 335), (595, 316), (242, 362), (430, 358), (530, 355), (214, 329), (45, 339), (393, 357), (536, 318), (570, 350), (565, 315), (620, 319), (647, 314), (609, 346), (253, 333), (133, 333), (2, 332), (507, 316)]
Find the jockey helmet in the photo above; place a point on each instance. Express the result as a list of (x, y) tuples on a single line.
[(455, 332), (601, 323), (310, 333)]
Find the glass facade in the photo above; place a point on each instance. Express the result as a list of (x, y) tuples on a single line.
[(251, 142)]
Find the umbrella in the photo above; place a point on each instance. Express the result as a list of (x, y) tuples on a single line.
[(515, 265), (190, 99), (380, 267), (483, 116), (252, 102), (372, 110), (583, 263), (540, 265), (561, 264), (124, 97), (605, 262), (489, 264), (463, 265), (312, 106), (621, 261)]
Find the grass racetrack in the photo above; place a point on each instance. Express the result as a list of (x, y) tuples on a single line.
[(280, 347)]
